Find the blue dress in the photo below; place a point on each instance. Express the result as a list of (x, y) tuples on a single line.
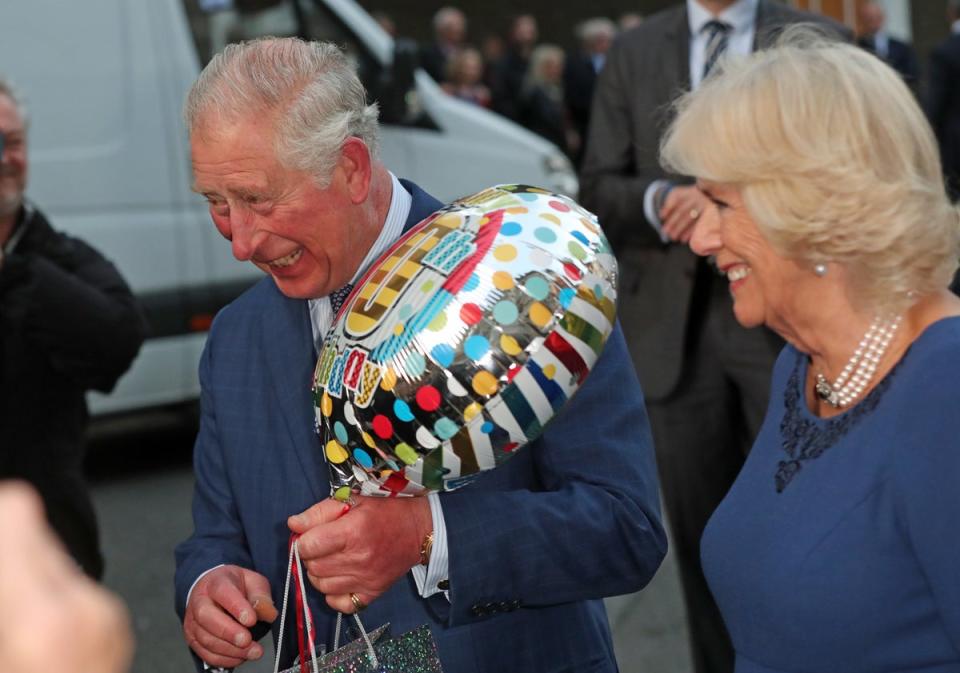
[(838, 547)]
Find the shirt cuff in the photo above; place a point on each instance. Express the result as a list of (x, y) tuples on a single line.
[(438, 568), (199, 577), (651, 210)]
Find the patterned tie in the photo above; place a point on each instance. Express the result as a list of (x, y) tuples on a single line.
[(718, 34), (337, 297)]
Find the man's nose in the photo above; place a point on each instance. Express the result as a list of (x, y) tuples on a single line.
[(243, 232), (705, 240)]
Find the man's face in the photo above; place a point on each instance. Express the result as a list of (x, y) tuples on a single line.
[(309, 239), (13, 167)]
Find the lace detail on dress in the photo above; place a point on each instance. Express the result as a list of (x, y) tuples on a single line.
[(805, 439)]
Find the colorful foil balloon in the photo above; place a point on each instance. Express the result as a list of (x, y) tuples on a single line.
[(462, 342)]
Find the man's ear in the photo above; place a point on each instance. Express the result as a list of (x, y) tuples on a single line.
[(357, 167)]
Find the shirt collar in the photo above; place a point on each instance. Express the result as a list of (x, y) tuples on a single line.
[(741, 15), (400, 203)]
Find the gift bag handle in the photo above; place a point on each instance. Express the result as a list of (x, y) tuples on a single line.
[(295, 568)]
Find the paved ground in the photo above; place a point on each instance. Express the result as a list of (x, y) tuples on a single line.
[(142, 486)]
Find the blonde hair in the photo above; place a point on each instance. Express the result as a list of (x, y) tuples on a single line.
[(834, 159)]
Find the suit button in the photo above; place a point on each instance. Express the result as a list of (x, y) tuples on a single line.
[(490, 608), (443, 585), (477, 610), (503, 606), (514, 605)]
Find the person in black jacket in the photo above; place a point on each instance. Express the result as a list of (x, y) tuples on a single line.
[(68, 324)]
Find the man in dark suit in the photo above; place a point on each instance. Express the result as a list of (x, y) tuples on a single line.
[(896, 53), (943, 102), (705, 378), (449, 30), (509, 571)]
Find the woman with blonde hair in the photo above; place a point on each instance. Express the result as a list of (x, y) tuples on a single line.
[(835, 549)]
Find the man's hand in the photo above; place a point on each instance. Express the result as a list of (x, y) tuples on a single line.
[(54, 617), (680, 212), (363, 552), (224, 605)]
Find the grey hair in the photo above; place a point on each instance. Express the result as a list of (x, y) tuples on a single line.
[(312, 88), (596, 27), (444, 15), (8, 89)]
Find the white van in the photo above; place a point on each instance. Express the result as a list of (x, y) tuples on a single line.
[(104, 82)]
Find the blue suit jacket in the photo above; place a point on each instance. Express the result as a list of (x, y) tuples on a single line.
[(534, 545)]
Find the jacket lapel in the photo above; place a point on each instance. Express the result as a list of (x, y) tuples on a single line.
[(290, 360)]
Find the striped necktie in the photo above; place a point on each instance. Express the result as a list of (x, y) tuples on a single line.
[(718, 34), (337, 297)]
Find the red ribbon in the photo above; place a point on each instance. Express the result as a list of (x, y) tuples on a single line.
[(301, 607)]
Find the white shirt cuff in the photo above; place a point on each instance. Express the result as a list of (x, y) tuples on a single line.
[(438, 568), (653, 217), (199, 577)]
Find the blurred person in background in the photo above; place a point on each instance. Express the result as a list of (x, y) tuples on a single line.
[(693, 359), (68, 324), (492, 48), (511, 71), (580, 73), (385, 21), (464, 78), (541, 103), (896, 53), (54, 617), (629, 20), (449, 33), (830, 221), (943, 99)]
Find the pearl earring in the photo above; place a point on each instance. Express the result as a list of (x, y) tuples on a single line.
[(820, 269)]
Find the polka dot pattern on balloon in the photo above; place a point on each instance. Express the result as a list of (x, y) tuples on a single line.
[(537, 287), (510, 228), (445, 428), (476, 346), (505, 312), (363, 458), (540, 315), (545, 235), (471, 313), (406, 453), (340, 431), (443, 354), (335, 453), (485, 383), (509, 345), (428, 398), (382, 426), (402, 411), (502, 281), (505, 252)]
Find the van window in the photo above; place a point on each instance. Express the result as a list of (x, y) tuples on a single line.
[(216, 23)]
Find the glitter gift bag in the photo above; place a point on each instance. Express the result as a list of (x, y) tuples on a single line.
[(373, 652)]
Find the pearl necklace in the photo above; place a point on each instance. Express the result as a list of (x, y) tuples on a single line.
[(861, 366)]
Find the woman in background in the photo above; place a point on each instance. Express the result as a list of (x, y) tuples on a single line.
[(836, 548)]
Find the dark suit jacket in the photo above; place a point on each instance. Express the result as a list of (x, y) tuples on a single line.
[(646, 69), (433, 59), (533, 545), (943, 107), (579, 81), (900, 56)]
